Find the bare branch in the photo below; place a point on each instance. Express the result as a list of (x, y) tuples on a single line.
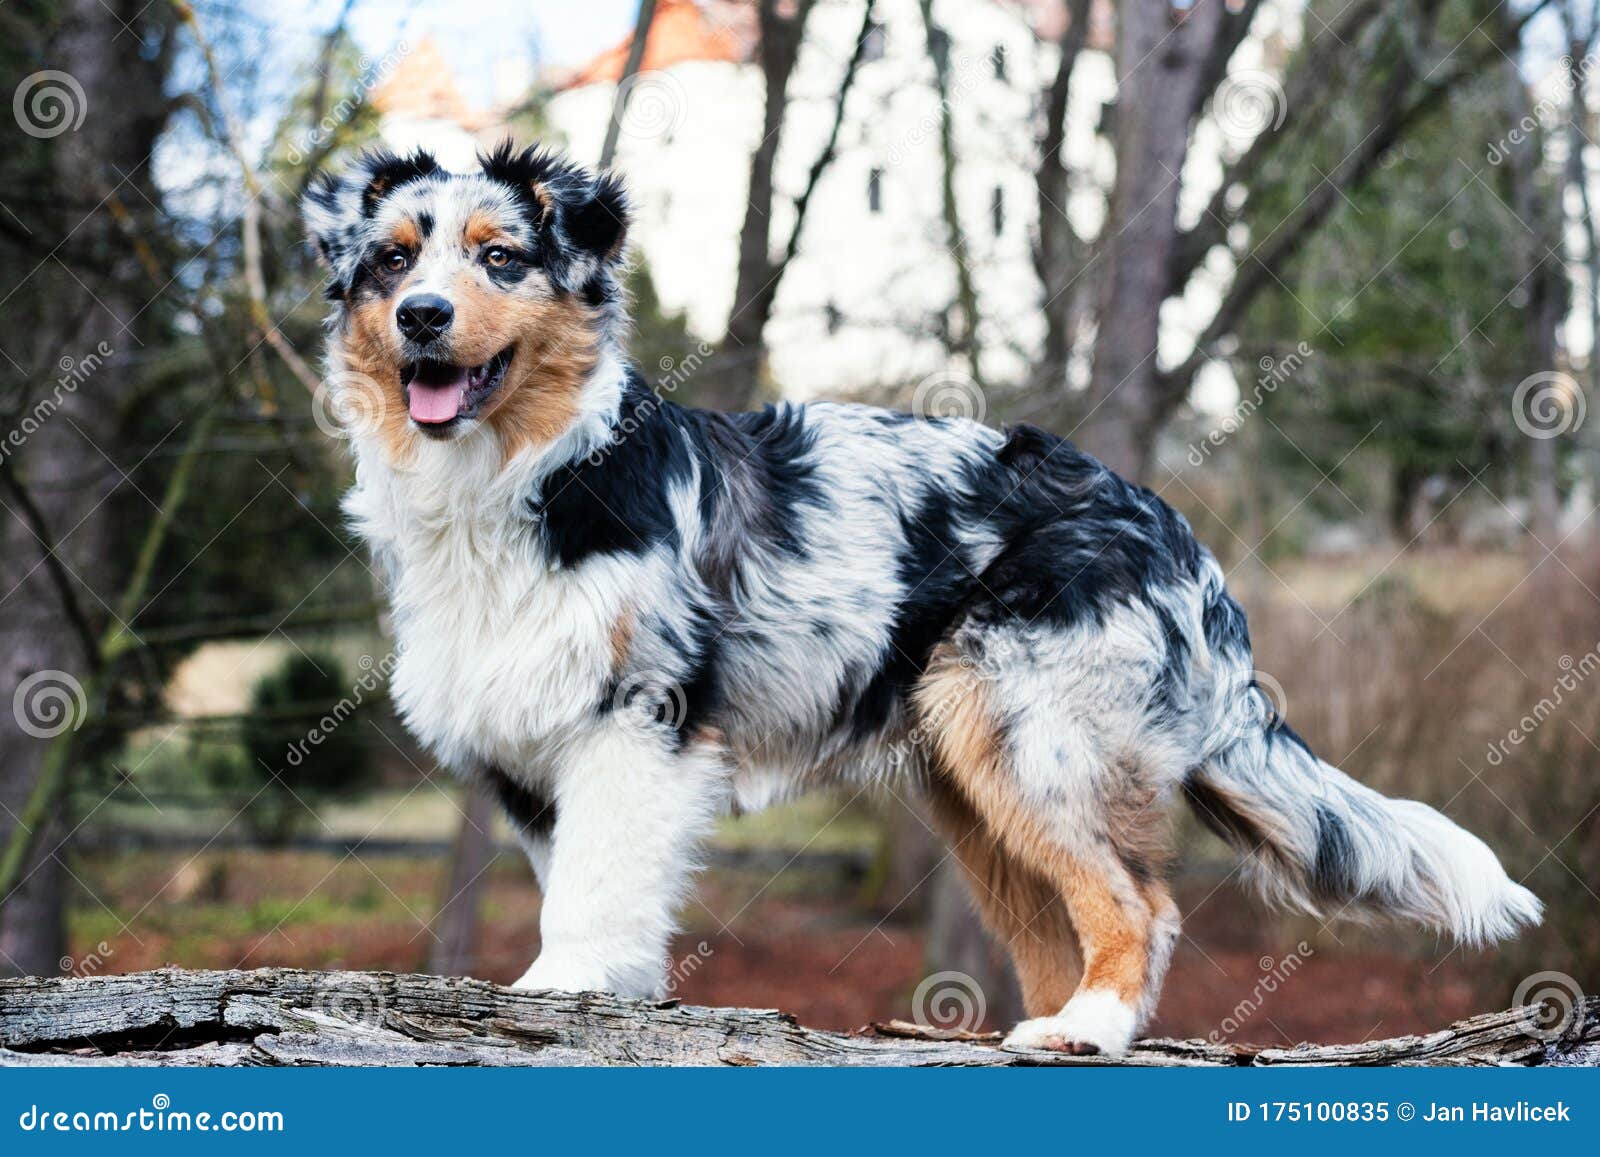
[(630, 69)]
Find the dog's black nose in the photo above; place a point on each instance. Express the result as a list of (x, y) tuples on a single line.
[(424, 316)]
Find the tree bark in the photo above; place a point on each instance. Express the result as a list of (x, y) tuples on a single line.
[(290, 1017), (1536, 241)]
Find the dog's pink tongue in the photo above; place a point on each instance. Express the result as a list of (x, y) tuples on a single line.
[(438, 402)]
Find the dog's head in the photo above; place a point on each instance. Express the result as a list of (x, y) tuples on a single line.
[(464, 300)]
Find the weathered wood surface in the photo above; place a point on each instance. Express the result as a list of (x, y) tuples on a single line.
[(293, 1017)]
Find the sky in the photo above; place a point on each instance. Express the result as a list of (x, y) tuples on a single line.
[(474, 35)]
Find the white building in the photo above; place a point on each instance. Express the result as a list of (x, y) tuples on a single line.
[(861, 304)]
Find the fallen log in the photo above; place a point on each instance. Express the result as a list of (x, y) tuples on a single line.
[(278, 1016)]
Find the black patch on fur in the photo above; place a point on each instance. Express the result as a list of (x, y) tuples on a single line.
[(570, 211), (615, 500), (387, 172), (1281, 729), (1333, 872), (528, 811), (778, 444), (936, 581), (1080, 540), (425, 224), (1223, 622), (1219, 817)]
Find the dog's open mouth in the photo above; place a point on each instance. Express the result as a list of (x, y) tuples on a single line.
[(437, 393)]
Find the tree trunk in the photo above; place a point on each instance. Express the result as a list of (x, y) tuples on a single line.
[(1162, 56), (964, 341), (736, 372), (288, 1017), (1537, 234), (1058, 254), (958, 942), (99, 306), (456, 924)]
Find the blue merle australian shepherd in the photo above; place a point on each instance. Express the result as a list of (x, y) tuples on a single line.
[(631, 618)]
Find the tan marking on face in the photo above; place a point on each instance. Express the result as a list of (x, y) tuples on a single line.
[(707, 737), (480, 229), (367, 354), (543, 196), (1109, 911), (406, 233), (557, 345)]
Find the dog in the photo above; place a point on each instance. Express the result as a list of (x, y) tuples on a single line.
[(631, 618)]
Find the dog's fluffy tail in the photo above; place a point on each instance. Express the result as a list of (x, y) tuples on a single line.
[(1319, 841)]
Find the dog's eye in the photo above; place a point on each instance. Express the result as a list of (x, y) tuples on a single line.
[(396, 260), (498, 257)]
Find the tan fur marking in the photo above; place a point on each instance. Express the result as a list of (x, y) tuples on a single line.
[(557, 349), (1112, 919), (371, 368), (556, 342), (406, 233), (621, 639), (541, 195), (1019, 908), (480, 229)]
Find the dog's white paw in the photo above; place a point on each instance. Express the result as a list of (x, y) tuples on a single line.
[(562, 976), (1092, 1023)]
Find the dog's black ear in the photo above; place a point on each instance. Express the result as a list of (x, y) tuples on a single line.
[(599, 222), (579, 215), (337, 205)]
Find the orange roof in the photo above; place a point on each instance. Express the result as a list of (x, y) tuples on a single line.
[(681, 31), (422, 87)]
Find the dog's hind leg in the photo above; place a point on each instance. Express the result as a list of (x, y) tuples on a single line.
[(1075, 825), (1021, 909)]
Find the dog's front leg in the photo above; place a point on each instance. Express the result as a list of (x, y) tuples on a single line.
[(630, 814)]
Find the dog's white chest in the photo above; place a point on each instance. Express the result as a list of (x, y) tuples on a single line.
[(501, 658)]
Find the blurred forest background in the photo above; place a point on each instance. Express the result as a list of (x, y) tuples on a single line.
[(1321, 273)]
